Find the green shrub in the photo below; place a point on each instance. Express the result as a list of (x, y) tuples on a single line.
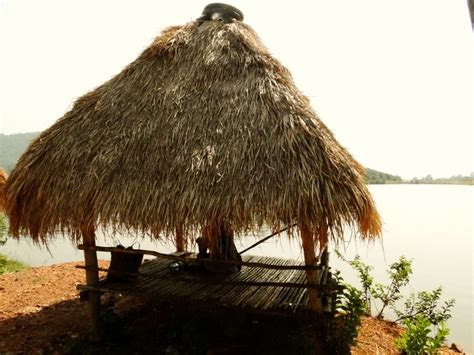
[(344, 328), (417, 340), (399, 273), (8, 265), (3, 229), (426, 303), (421, 314)]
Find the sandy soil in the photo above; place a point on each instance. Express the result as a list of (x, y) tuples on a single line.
[(40, 312)]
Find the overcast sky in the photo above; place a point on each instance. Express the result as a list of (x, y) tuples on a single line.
[(392, 79)]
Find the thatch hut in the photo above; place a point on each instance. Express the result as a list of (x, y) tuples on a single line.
[(204, 125)]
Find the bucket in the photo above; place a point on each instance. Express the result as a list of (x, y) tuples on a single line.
[(124, 266)]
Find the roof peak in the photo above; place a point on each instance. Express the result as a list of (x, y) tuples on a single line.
[(220, 12)]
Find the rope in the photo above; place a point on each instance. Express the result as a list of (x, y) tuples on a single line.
[(266, 238)]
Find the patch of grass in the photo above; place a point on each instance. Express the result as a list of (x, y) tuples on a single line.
[(9, 265)]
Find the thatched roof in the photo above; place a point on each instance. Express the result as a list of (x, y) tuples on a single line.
[(204, 124)]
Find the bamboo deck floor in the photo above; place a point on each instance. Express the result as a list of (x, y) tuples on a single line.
[(196, 286)]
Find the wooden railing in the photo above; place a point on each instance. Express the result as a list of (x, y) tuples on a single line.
[(201, 260)]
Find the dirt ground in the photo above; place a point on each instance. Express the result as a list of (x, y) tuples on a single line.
[(40, 313)]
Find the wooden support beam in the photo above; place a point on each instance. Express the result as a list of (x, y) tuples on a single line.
[(180, 241), (92, 275), (307, 239)]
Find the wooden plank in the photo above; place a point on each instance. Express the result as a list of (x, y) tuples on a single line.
[(294, 277), (268, 294), (243, 292), (243, 275), (270, 304), (290, 302), (248, 293), (262, 293), (274, 295)]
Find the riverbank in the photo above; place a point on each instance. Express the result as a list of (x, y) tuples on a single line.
[(40, 312)]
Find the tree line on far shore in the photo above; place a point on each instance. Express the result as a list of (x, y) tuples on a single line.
[(377, 177)]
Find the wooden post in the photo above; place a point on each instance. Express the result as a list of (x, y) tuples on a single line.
[(180, 243), (307, 239), (92, 275)]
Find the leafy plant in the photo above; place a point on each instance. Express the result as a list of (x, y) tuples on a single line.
[(3, 229), (426, 303), (421, 314), (365, 279), (352, 306), (8, 265), (417, 339), (387, 295), (343, 330), (399, 274)]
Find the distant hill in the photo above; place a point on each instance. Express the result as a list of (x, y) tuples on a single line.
[(12, 146), (378, 177)]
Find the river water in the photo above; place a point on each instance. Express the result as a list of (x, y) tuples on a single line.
[(431, 224)]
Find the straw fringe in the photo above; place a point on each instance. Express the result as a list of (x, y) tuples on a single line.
[(205, 124)]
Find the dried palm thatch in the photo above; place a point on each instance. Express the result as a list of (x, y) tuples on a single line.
[(205, 124), (3, 181)]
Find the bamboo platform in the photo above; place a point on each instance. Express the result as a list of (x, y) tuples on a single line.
[(276, 286)]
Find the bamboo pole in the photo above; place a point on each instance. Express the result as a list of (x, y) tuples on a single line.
[(92, 276), (307, 239)]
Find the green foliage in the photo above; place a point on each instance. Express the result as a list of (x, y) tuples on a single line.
[(12, 146), (421, 314), (378, 177), (343, 330), (3, 229), (426, 303), (352, 306), (399, 273), (365, 278), (417, 339), (8, 265)]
